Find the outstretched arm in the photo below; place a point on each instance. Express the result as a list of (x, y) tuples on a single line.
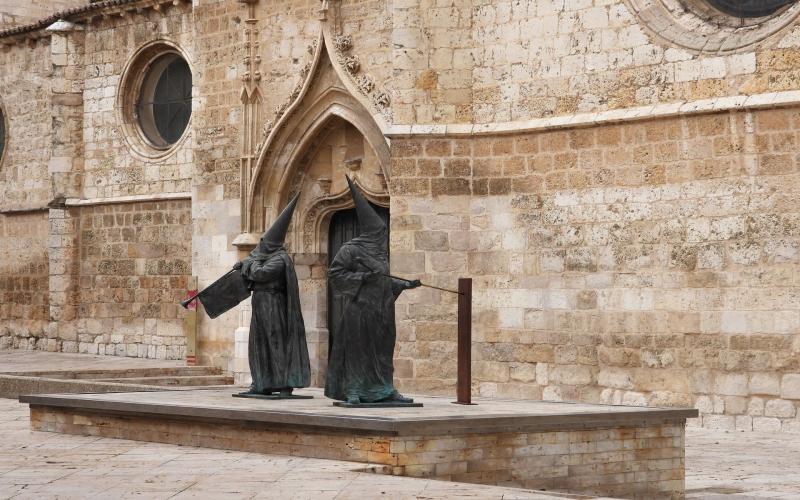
[(265, 271), (398, 285)]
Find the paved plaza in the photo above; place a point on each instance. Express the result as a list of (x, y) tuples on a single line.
[(43, 465), (722, 465)]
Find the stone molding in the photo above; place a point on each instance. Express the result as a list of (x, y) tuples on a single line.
[(23, 210), (136, 198), (639, 113), (316, 218)]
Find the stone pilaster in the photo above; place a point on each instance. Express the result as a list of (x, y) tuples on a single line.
[(66, 161), (65, 168), (63, 256)]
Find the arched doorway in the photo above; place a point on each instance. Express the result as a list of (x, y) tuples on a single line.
[(323, 136), (344, 227)]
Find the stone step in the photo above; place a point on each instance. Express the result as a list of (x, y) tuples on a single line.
[(14, 386), (182, 381), (125, 373)]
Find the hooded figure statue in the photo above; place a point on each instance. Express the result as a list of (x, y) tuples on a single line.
[(277, 349), (360, 357)]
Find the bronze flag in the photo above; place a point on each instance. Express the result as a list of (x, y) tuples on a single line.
[(222, 295)]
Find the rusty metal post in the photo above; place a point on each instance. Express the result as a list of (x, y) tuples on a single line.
[(464, 387)]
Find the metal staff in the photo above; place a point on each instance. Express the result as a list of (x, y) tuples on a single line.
[(361, 261), (423, 284)]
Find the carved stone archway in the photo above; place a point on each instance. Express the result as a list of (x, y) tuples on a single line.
[(325, 133)]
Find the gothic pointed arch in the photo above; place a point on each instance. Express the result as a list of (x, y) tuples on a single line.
[(324, 104)]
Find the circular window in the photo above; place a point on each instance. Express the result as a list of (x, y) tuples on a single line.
[(749, 8), (155, 99), (165, 100), (715, 26)]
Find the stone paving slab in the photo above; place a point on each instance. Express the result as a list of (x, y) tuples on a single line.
[(727, 465), (41, 465), (438, 416)]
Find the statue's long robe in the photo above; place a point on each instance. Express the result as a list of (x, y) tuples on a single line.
[(277, 349), (360, 358)]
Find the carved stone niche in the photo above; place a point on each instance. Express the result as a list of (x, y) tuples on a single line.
[(353, 164), (324, 184), (325, 133), (321, 180)]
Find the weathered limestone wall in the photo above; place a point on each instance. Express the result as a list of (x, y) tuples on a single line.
[(25, 95), (24, 185), (499, 61), (285, 30), (114, 163), (217, 32), (644, 263), (23, 280), (14, 12), (134, 269)]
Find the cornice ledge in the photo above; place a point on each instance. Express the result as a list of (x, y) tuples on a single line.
[(634, 114)]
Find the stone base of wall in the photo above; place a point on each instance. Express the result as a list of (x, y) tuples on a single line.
[(581, 449), (25, 341)]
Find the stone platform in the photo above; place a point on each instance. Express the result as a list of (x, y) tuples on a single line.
[(617, 451)]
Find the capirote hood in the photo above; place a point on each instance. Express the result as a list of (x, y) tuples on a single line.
[(368, 219), (276, 234)]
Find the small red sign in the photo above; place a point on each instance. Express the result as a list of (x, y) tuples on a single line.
[(193, 304)]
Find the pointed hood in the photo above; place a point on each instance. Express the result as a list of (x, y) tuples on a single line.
[(273, 238), (368, 219), (372, 234)]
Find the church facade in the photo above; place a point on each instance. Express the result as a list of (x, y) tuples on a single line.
[(618, 177)]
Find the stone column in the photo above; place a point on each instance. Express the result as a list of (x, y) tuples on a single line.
[(311, 276), (66, 169), (241, 364)]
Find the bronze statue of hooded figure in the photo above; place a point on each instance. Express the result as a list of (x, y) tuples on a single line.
[(360, 357), (277, 349)]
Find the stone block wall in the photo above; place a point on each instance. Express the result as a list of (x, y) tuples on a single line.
[(25, 96), (23, 280), (648, 263), (24, 193), (114, 165), (482, 62), (134, 269), (217, 33), (644, 462), (285, 30), (14, 13)]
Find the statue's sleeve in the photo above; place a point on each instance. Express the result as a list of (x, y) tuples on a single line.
[(398, 286), (344, 274), (265, 271)]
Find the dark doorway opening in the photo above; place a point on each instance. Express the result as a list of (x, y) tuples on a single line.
[(344, 227)]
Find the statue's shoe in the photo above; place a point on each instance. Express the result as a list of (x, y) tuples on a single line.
[(397, 398), (353, 400)]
